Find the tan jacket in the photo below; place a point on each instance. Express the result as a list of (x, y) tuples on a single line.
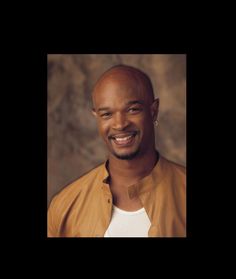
[(83, 208)]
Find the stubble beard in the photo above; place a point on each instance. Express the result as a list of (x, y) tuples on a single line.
[(128, 156)]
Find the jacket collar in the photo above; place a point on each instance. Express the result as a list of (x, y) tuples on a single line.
[(146, 184)]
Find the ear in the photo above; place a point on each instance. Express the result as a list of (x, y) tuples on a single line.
[(94, 112), (155, 109)]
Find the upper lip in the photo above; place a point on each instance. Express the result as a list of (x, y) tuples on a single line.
[(122, 135)]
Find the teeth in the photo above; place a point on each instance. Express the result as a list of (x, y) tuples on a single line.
[(123, 139)]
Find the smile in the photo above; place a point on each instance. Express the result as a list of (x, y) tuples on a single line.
[(124, 139)]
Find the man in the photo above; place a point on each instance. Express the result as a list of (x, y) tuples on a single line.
[(137, 192)]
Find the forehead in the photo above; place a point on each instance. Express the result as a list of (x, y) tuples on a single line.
[(118, 89)]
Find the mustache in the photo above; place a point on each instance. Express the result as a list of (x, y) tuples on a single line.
[(123, 133)]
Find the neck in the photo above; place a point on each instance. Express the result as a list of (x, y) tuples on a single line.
[(130, 171)]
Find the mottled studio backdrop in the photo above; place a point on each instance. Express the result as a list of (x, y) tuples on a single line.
[(74, 146)]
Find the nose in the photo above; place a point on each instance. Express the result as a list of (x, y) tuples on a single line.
[(120, 122)]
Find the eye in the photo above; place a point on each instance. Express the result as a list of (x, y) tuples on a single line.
[(134, 110), (106, 115)]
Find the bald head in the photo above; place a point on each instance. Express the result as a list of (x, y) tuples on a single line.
[(124, 105), (128, 77)]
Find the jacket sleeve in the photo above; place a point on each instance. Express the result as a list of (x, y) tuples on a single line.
[(51, 226)]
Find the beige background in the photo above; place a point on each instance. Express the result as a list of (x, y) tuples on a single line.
[(74, 146)]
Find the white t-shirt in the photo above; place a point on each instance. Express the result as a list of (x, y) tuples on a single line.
[(128, 223)]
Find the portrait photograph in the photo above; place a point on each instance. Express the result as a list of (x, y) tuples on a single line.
[(116, 145)]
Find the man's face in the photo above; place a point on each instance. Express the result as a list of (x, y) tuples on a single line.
[(125, 115)]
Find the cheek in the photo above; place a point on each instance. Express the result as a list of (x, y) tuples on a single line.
[(143, 121), (103, 128), (146, 124)]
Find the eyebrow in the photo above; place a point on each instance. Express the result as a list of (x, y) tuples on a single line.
[(135, 102), (129, 103)]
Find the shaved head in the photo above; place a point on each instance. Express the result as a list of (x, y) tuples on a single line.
[(124, 105), (126, 76)]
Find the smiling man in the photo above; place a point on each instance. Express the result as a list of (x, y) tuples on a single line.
[(136, 192)]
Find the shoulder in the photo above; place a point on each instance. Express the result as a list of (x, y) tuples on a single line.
[(174, 173), (75, 188), (174, 167), (72, 196)]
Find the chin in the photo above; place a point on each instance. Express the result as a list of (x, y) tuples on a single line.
[(126, 156)]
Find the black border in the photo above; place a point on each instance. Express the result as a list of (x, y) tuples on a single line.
[(38, 135)]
